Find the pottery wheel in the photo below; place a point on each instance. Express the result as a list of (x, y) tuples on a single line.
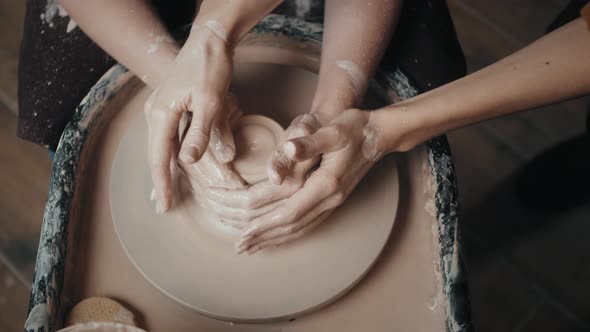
[(192, 260)]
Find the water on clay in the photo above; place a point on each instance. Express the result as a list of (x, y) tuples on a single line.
[(401, 292)]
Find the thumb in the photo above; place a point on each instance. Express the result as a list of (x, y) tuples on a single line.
[(222, 138), (324, 140), (197, 137)]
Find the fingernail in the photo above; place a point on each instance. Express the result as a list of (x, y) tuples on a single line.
[(241, 249), (290, 149), (227, 154), (253, 250), (247, 233), (299, 132), (189, 154), (250, 233), (159, 207), (244, 241), (274, 177)]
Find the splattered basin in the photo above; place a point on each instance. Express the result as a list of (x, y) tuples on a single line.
[(416, 283)]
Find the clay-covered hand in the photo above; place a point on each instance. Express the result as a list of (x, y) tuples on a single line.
[(197, 82), (242, 205), (350, 145), (210, 172)]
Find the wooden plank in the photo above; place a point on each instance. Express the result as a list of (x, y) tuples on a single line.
[(11, 24), (486, 157), (562, 120), (24, 174), (481, 43), (547, 318), (531, 132), (500, 297), (523, 20), (557, 257), (481, 161), (14, 299)]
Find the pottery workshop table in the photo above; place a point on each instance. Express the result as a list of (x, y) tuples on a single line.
[(417, 283)]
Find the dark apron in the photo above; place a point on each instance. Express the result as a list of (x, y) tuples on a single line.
[(57, 68)]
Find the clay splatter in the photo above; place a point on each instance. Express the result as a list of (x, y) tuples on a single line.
[(217, 28), (357, 77)]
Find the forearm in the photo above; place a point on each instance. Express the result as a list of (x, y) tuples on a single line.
[(233, 19), (554, 68), (356, 34), (130, 31)]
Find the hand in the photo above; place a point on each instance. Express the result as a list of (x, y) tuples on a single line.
[(197, 83), (350, 145), (210, 172), (239, 206)]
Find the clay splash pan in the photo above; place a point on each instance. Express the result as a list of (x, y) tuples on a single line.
[(411, 277), (189, 255)]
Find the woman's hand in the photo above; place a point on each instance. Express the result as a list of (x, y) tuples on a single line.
[(350, 145), (212, 178), (211, 172), (197, 83)]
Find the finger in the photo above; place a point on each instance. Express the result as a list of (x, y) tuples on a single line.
[(280, 165), (287, 229), (233, 111), (242, 215), (183, 124), (222, 136), (253, 197), (222, 142), (239, 225), (325, 140), (197, 137), (163, 127), (209, 172), (214, 210), (303, 125), (277, 241), (298, 205)]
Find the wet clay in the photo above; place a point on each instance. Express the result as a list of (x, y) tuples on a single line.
[(256, 137), (401, 292), (189, 254)]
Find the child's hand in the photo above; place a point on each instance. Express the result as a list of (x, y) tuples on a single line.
[(349, 145), (197, 82), (239, 206), (210, 172)]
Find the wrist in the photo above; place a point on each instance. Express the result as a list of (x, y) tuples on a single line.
[(327, 105), (334, 94), (205, 38), (159, 66), (327, 109), (400, 128)]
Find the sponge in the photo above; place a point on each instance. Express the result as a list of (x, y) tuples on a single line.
[(99, 309)]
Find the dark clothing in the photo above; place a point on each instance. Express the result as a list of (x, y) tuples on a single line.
[(573, 10), (57, 68)]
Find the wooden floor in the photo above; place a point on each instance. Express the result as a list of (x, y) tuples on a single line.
[(528, 271)]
